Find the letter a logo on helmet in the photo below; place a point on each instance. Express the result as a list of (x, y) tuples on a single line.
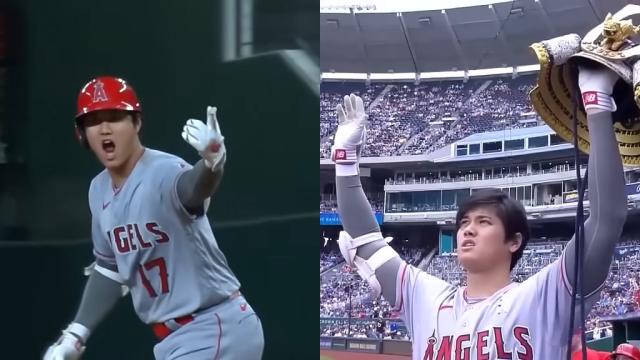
[(107, 93), (98, 92)]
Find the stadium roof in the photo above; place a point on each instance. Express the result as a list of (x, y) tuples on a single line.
[(476, 37)]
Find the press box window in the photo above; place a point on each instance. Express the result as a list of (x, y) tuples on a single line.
[(491, 147), (517, 144), (556, 140), (474, 149), (538, 142), (461, 150)]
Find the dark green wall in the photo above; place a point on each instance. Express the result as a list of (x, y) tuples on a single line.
[(167, 50), (42, 287)]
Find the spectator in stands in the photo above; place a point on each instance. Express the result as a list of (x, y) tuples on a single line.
[(408, 119)]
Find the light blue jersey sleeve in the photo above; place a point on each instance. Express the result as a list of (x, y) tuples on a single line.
[(102, 249)]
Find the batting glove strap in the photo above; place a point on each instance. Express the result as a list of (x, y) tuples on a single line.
[(596, 86), (597, 101), (68, 347), (215, 161), (78, 331), (344, 155)]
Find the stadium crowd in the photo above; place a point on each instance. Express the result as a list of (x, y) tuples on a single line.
[(329, 260), (409, 119)]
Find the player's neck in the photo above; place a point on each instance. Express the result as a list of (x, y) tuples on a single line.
[(484, 284), (120, 174)]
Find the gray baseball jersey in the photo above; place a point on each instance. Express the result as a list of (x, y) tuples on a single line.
[(526, 320), (167, 257)]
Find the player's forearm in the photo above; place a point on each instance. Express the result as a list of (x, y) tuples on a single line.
[(607, 205), (100, 296), (198, 184), (357, 220), (354, 208)]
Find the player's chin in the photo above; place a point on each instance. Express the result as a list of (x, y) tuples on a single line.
[(467, 260), (110, 160)]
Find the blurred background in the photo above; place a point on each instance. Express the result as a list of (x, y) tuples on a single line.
[(257, 61)]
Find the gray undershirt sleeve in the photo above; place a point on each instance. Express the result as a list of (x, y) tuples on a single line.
[(100, 296), (607, 205), (196, 185), (358, 220)]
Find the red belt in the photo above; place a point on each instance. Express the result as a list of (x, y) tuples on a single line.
[(161, 330)]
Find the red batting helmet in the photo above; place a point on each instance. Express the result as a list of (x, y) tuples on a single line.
[(105, 93), (627, 350)]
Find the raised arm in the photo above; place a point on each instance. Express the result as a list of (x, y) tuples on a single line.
[(361, 243), (607, 196), (197, 185), (201, 182)]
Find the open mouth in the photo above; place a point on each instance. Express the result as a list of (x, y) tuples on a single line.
[(108, 146), (467, 244)]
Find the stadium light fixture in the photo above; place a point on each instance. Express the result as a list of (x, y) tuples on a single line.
[(517, 11), (424, 20)]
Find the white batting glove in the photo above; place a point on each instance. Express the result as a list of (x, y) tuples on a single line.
[(350, 137), (70, 346), (596, 86), (207, 139)]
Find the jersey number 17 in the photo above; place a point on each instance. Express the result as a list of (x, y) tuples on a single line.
[(162, 267)]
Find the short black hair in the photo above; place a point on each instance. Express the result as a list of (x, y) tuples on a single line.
[(136, 117), (509, 211)]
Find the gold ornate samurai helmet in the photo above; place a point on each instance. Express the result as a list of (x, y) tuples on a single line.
[(610, 44)]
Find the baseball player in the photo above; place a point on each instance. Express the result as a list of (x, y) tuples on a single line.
[(150, 233), (490, 318)]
